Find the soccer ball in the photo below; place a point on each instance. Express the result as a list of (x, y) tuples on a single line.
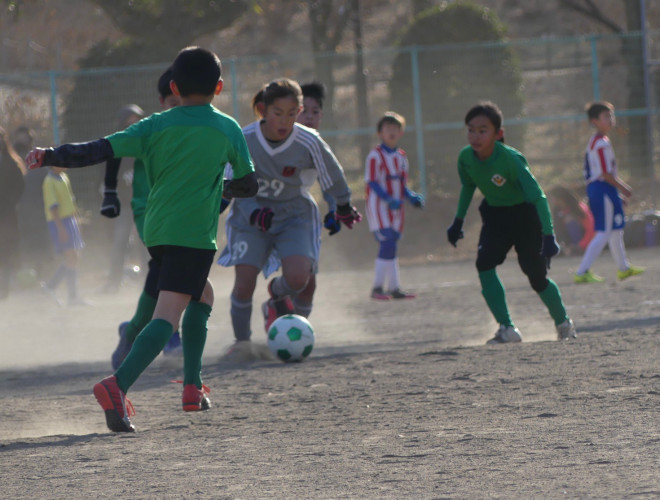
[(291, 338)]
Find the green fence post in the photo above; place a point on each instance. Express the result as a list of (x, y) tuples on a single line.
[(594, 67), (419, 123), (234, 89), (53, 107)]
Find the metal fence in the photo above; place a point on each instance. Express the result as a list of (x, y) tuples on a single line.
[(557, 77)]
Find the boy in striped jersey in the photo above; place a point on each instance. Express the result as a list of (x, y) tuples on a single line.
[(386, 174), (604, 189)]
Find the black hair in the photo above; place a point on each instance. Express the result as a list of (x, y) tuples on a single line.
[(393, 118), (282, 87), (196, 71), (594, 109), (315, 90), (488, 109), (164, 83)]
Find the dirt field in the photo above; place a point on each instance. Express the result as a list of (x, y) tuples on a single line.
[(398, 400)]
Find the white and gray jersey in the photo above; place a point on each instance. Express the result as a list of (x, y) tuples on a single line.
[(288, 169)]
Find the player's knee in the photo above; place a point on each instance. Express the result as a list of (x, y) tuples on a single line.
[(208, 295), (538, 282)]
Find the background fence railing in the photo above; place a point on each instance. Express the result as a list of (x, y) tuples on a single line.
[(558, 76)]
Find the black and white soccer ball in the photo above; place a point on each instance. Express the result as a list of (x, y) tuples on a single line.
[(291, 338)]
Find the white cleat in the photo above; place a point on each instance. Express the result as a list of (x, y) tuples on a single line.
[(506, 334), (566, 330)]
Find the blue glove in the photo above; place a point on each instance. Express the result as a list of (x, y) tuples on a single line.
[(110, 206), (262, 218), (416, 200), (455, 231), (394, 204), (549, 248), (331, 223)]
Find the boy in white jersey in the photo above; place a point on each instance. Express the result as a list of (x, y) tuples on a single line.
[(386, 175), (604, 189), (288, 159)]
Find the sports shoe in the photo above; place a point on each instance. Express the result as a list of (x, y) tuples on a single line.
[(566, 330), (116, 405), (195, 399), (173, 346), (51, 293), (378, 294), (506, 334), (402, 294), (631, 271), (588, 277), (123, 348), (274, 308)]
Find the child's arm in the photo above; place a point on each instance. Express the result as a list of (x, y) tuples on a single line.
[(618, 183), (110, 206), (455, 231), (71, 155)]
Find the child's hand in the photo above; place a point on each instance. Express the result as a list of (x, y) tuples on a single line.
[(417, 200), (549, 248), (394, 204), (35, 158), (348, 215), (455, 231), (262, 218), (331, 223)]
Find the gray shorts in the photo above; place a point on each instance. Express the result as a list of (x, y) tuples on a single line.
[(295, 230)]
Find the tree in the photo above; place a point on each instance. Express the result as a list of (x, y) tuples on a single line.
[(632, 54), (456, 70)]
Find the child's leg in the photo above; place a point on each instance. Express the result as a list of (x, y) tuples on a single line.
[(245, 281), (495, 296), (387, 264), (551, 297), (153, 338), (57, 277), (381, 269), (303, 302), (194, 331), (71, 260), (146, 303), (592, 252), (618, 249), (296, 272)]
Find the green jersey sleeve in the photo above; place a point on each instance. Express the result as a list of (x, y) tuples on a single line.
[(534, 194), (468, 187)]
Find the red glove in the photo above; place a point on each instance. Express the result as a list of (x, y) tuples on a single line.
[(262, 218), (347, 215), (35, 158)]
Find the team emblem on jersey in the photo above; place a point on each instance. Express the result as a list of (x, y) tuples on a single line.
[(288, 171), (498, 180)]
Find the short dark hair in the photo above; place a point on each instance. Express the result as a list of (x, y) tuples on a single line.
[(315, 90), (196, 71), (391, 117), (594, 109), (282, 87), (488, 109), (164, 83)]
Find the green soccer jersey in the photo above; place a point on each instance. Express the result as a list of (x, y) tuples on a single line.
[(504, 179), (184, 151), (140, 195)]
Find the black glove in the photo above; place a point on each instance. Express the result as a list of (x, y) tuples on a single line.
[(331, 223), (348, 215), (455, 231), (262, 218), (549, 248), (110, 206)]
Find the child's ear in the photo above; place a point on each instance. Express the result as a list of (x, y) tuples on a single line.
[(500, 134), (261, 108), (174, 88), (218, 87)]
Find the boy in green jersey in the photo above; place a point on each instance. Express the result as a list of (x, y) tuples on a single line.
[(514, 213), (184, 151)]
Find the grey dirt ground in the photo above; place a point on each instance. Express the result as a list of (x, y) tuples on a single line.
[(398, 400)]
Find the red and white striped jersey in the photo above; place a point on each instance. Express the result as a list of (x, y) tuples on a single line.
[(599, 158), (390, 171)]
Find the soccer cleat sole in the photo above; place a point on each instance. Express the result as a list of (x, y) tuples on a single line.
[(112, 418)]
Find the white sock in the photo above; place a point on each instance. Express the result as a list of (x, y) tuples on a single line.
[(592, 252), (618, 249), (380, 272), (394, 274)]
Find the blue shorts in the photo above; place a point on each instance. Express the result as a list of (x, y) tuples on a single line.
[(605, 205), (74, 242)]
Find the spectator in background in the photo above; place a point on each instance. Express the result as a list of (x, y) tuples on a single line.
[(12, 170), (34, 240), (574, 221)]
